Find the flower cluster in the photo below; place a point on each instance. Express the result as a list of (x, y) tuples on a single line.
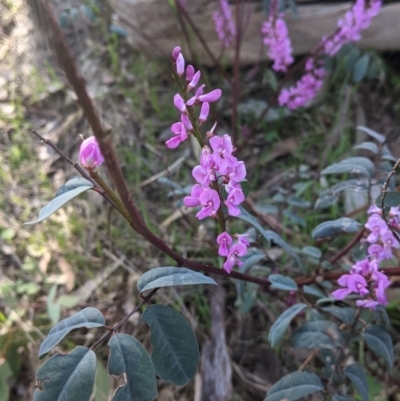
[(358, 18), (224, 25), (364, 277), (219, 170), (276, 37), (182, 128), (89, 153), (306, 88)]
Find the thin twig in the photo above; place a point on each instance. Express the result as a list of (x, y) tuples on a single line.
[(347, 248)]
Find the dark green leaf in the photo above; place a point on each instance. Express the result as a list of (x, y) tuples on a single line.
[(280, 282), (332, 228), (313, 290), (356, 374), (392, 199), (102, 383), (312, 252), (347, 167), (345, 313), (316, 335), (294, 386), (72, 188), (175, 350), (338, 397), (371, 146), (351, 58), (380, 138), (281, 324), (88, 317), (379, 340), (67, 377), (5, 374), (360, 68), (170, 276), (295, 218), (270, 236), (129, 359)]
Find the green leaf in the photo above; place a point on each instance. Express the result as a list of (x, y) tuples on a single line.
[(346, 168), (281, 324), (371, 146), (67, 377), (280, 282), (345, 314), (53, 308), (360, 68), (70, 190), (356, 374), (380, 342), (129, 359), (294, 386), (5, 374), (88, 317), (269, 235), (170, 276), (318, 334), (313, 290), (175, 350), (338, 397), (335, 227), (380, 138), (312, 252), (392, 199), (102, 384)]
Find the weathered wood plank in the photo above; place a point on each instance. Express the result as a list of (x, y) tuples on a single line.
[(153, 29)]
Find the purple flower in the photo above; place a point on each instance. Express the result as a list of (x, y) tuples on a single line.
[(205, 109), (354, 283), (176, 52), (239, 172), (194, 99), (193, 200), (179, 130), (180, 103), (189, 73), (180, 65), (224, 240), (90, 155), (194, 81), (204, 176), (373, 209), (210, 201), (211, 97), (232, 258), (367, 303), (276, 37), (235, 198), (224, 24), (376, 225)]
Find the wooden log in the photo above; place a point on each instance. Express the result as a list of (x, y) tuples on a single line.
[(153, 28)]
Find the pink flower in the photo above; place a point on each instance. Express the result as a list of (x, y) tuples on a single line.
[(232, 258), (222, 147), (180, 103), (179, 130), (224, 240), (189, 72), (239, 172), (210, 201), (235, 198), (205, 109), (89, 153), (194, 199), (224, 24), (211, 97), (204, 176), (194, 99), (276, 37), (367, 303), (180, 65), (354, 283), (176, 52), (194, 81), (376, 225)]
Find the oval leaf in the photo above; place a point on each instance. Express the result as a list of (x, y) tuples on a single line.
[(392, 199), (312, 252), (360, 68), (170, 276), (88, 317), (371, 146), (72, 188), (334, 227), (317, 334), (281, 324), (130, 359), (67, 377), (356, 374), (294, 386), (175, 350), (269, 235), (380, 138), (345, 314), (380, 342), (280, 282), (313, 289), (346, 168)]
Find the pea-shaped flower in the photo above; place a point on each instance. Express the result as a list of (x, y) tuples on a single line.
[(89, 154)]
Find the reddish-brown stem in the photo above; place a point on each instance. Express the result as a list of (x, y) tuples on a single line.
[(347, 248)]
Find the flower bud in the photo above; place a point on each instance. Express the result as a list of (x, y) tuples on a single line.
[(180, 65), (89, 153), (176, 52)]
